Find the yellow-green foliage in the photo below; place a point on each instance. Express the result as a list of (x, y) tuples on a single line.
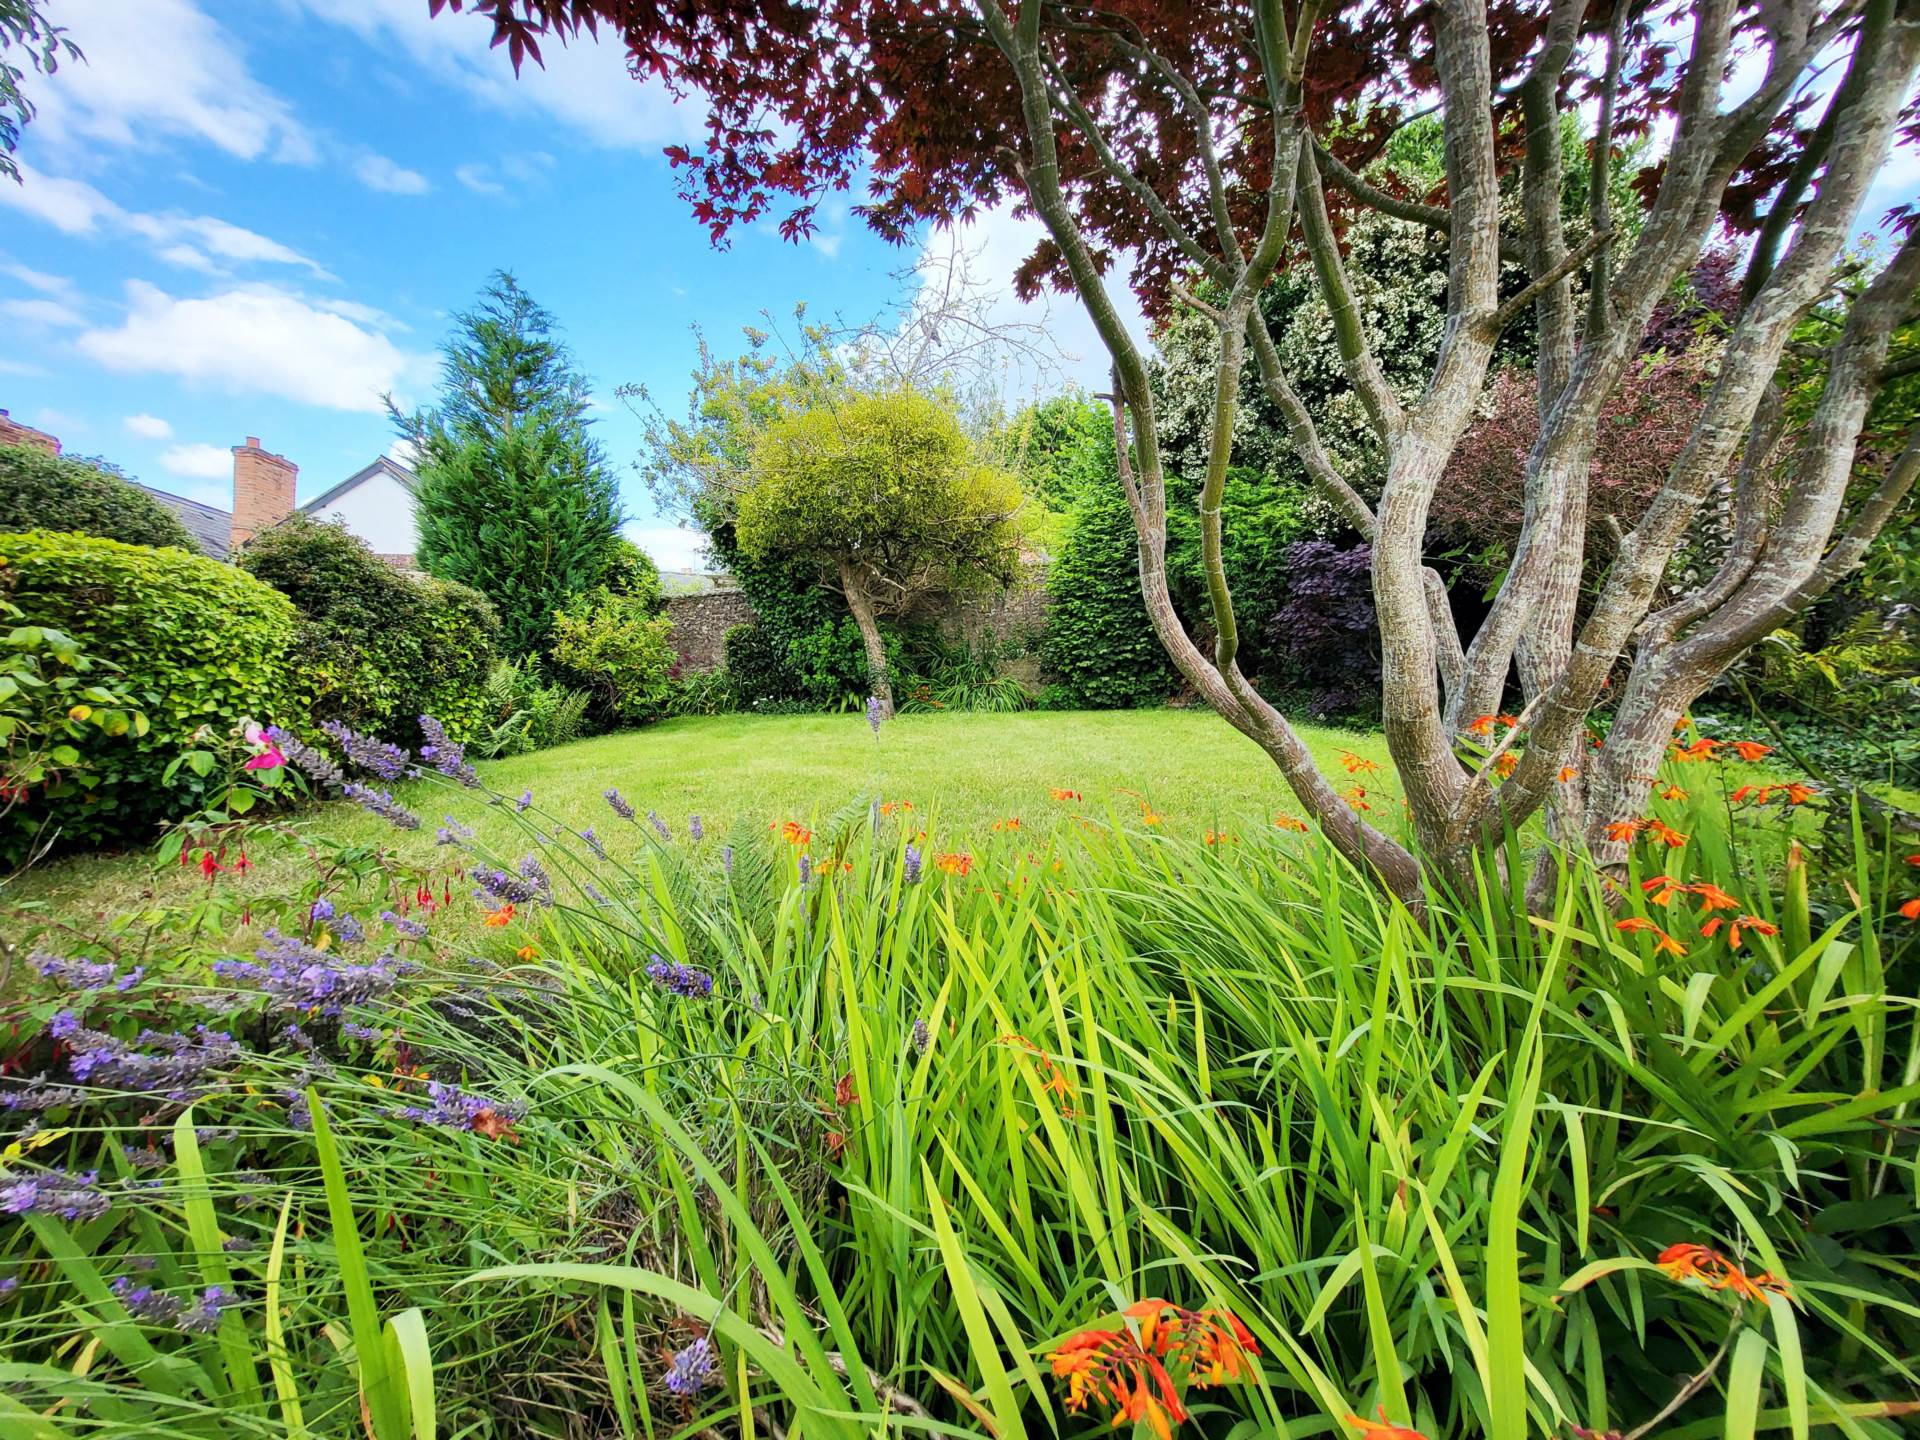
[(197, 645), (884, 482)]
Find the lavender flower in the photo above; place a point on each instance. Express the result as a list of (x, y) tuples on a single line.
[(695, 830), (593, 842), (297, 1038), (54, 1192), (132, 978), (412, 929), (678, 979), (348, 931), (204, 1317), (619, 804), (454, 1108), (316, 763), (594, 894), (295, 976), (911, 868), (377, 757), (501, 886), (452, 833), (525, 802), (38, 1096), (102, 1059), (381, 803), (876, 713), (692, 1369), (322, 909), (726, 860), (368, 1033), (75, 974), (143, 1302), (145, 1157), (299, 1110), (659, 825), (236, 1245), (447, 756), (9, 1284), (806, 871), (920, 1037)]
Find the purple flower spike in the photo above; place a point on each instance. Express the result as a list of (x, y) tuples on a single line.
[(692, 1369)]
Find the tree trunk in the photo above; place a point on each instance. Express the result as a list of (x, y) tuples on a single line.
[(861, 604)]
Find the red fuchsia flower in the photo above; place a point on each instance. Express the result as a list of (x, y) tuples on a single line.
[(1751, 750), (1635, 924), (1383, 1429), (210, 865)]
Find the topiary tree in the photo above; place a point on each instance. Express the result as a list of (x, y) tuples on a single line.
[(883, 496), (39, 491), (515, 498)]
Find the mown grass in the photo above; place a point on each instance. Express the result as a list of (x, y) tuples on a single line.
[(969, 771)]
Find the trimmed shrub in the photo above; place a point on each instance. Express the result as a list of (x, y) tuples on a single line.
[(198, 646), (757, 665), (39, 491), (1327, 630), (383, 647), (1100, 649), (621, 648)]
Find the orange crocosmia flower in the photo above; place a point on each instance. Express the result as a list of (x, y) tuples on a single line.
[(955, 862), (528, 952), (1482, 725), (1127, 1368), (1664, 833), (1911, 910), (1712, 897), (1661, 889), (794, 833), (1290, 822), (1623, 830), (1059, 794), (1383, 1428), (1751, 750), (1356, 796), (1358, 764), (1672, 792), (1662, 941), (836, 1141), (1220, 837), (843, 1095), (1011, 823), (1705, 748), (1147, 817), (499, 919), (1506, 765), (1769, 1283), (1913, 859), (1512, 722), (1568, 772)]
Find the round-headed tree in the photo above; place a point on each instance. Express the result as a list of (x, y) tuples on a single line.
[(882, 494), (516, 497), (39, 491)]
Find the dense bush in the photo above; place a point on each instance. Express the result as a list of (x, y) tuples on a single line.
[(813, 649), (39, 491), (1326, 632), (757, 666), (198, 646), (1100, 650), (621, 648), (380, 647)]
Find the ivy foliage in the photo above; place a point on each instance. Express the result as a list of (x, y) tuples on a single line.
[(196, 646), (516, 498), (381, 648), (622, 648), (39, 491)]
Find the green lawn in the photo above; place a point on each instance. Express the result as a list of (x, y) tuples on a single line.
[(966, 771)]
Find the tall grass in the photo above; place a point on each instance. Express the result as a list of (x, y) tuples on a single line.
[(926, 1128)]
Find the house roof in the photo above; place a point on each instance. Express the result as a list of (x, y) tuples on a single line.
[(383, 466), (210, 526)]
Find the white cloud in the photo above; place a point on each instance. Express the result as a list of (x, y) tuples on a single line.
[(58, 286), (197, 461), (259, 339), (479, 179), (74, 207), (671, 547), (377, 172), (508, 175), (584, 85), (157, 71), (46, 314), (148, 427)]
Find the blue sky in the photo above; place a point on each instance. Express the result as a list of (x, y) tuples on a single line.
[(251, 216)]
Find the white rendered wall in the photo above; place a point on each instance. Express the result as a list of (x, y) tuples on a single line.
[(380, 511)]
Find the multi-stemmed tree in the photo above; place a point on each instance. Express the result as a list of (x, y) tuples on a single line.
[(1216, 143)]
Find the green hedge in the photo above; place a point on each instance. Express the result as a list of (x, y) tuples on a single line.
[(381, 647), (39, 491), (198, 645)]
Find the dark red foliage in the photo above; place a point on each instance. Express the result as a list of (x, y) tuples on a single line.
[(912, 98)]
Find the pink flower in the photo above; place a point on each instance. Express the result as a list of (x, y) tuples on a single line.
[(268, 759)]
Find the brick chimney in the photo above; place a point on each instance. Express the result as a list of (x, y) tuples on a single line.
[(262, 490), (12, 432)]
